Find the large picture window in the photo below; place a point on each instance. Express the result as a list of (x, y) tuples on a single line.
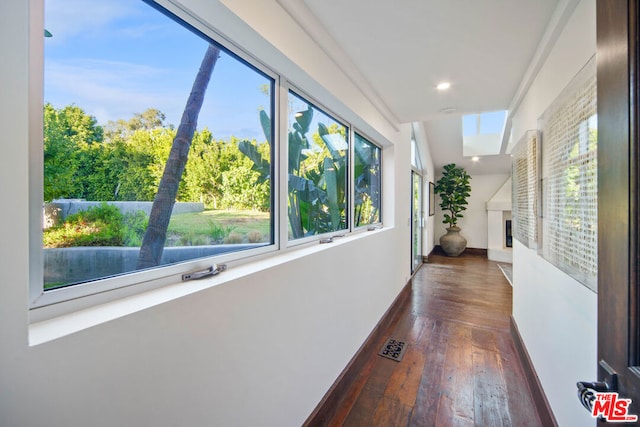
[(157, 144), (161, 148), (318, 165)]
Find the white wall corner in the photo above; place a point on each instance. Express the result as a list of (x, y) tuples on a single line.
[(501, 200)]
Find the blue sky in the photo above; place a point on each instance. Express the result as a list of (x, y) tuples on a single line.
[(490, 122), (120, 57)]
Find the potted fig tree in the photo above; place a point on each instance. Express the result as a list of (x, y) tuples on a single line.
[(454, 189)]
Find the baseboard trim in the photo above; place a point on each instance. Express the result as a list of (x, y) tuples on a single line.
[(326, 409), (468, 251), (427, 258), (537, 392)]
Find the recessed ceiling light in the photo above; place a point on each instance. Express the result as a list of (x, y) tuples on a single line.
[(443, 86), (448, 110), (475, 158)]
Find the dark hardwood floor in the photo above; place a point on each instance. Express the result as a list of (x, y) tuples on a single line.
[(460, 367)]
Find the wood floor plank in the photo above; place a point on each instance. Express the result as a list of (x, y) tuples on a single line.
[(364, 410), (404, 382), (490, 390), (391, 412), (460, 367), (457, 397), (372, 392), (351, 396), (434, 345), (521, 407), (380, 367), (396, 322), (417, 329)]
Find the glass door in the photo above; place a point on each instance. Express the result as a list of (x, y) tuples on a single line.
[(416, 220)]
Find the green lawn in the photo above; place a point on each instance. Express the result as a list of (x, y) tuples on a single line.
[(211, 227), (190, 229)]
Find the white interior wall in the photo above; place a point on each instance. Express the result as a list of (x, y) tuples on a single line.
[(498, 212), (475, 221), (259, 348), (556, 315), (496, 248)]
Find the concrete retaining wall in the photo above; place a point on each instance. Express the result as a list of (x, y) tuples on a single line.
[(80, 264), (59, 209)]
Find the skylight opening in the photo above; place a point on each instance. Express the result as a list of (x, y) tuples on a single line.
[(482, 133)]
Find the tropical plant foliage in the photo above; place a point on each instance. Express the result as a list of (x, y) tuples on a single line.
[(317, 172), (454, 189), (125, 159), (318, 177), (367, 182)]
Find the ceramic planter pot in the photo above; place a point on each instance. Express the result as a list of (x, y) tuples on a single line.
[(452, 243)]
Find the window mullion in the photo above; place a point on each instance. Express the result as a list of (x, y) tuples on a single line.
[(283, 157), (351, 184)]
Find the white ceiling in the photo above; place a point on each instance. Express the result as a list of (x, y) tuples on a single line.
[(398, 51)]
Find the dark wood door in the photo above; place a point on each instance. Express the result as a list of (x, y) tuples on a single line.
[(618, 183)]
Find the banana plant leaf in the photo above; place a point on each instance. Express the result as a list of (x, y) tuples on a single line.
[(307, 190), (259, 163), (265, 122), (334, 142), (330, 176), (303, 120), (363, 154)]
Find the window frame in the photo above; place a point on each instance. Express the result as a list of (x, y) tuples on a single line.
[(55, 302), (380, 221), (158, 276), (284, 146)]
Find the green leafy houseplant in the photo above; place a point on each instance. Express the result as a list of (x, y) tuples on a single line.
[(453, 189)]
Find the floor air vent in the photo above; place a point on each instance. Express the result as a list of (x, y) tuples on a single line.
[(393, 349)]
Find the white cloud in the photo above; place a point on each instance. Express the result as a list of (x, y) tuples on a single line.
[(111, 90), (68, 18), (140, 31)]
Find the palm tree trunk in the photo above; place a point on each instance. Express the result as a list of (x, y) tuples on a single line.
[(156, 233)]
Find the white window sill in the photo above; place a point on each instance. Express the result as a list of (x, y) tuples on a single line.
[(59, 326)]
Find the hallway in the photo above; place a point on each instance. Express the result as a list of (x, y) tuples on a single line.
[(460, 367)]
